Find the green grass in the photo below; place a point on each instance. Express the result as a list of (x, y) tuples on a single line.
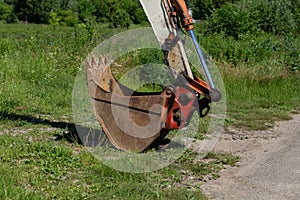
[(39, 154), (42, 167), (256, 102), (34, 165), (39, 64)]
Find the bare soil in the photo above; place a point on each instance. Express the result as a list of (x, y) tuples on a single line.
[(269, 167)]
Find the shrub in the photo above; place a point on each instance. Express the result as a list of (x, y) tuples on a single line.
[(120, 18), (86, 10), (7, 14), (102, 10), (68, 17), (291, 54), (230, 20), (202, 9), (53, 19), (295, 8), (5, 10), (265, 49), (274, 16), (133, 7)]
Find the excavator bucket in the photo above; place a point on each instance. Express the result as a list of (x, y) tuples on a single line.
[(132, 121)]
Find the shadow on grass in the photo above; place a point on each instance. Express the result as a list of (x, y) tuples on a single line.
[(74, 133)]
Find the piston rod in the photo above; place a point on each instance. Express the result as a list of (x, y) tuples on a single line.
[(202, 60)]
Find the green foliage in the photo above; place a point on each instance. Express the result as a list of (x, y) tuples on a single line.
[(202, 9), (6, 13), (149, 71), (71, 12), (86, 11), (230, 20), (102, 12), (53, 19), (10, 188), (68, 17), (295, 8), (134, 9), (274, 16), (271, 52), (251, 16), (35, 11), (123, 13), (120, 18), (292, 56), (5, 10), (69, 5), (254, 33), (215, 163)]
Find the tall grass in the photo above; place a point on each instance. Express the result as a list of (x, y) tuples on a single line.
[(270, 53), (256, 101), (39, 64)]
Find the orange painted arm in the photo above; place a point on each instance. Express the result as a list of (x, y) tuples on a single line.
[(182, 9)]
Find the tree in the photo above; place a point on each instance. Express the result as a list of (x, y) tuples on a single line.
[(134, 9), (69, 5), (102, 10), (36, 11), (120, 18), (6, 13), (86, 10), (117, 12)]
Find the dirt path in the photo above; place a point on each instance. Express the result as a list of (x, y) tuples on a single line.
[(269, 167)]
